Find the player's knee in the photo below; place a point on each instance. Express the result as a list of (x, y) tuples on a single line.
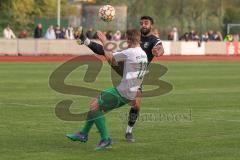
[(136, 105)]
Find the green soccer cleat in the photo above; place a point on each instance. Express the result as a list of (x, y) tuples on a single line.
[(103, 144), (78, 137)]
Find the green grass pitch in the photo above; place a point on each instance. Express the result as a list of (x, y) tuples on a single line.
[(205, 94)]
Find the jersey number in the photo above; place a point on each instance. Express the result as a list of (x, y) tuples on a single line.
[(142, 70)]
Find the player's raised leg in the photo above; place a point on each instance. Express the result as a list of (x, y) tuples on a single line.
[(95, 47)]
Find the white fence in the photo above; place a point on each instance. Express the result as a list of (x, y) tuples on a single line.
[(70, 47)]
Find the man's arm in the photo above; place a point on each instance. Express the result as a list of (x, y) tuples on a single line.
[(158, 50), (111, 60)]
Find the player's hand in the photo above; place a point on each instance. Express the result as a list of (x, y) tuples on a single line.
[(101, 37), (158, 50), (94, 105)]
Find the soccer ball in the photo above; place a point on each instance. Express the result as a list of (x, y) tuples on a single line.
[(107, 13)]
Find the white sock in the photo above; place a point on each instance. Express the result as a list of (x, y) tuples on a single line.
[(87, 42), (129, 129)]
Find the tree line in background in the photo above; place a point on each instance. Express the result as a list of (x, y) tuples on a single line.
[(20, 14), (186, 15)]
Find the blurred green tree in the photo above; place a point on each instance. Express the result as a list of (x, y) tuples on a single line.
[(186, 15), (20, 14)]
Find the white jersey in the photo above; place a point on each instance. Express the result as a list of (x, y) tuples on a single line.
[(135, 65)]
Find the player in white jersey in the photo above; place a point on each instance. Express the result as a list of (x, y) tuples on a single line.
[(153, 47), (135, 65), (134, 68)]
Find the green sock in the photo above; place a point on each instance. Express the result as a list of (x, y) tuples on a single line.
[(101, 126), (88, 124)]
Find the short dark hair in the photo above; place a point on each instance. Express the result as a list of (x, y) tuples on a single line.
[(148, 18), (133, 35)]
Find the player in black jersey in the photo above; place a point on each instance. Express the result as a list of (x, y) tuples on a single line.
[(152, 45)]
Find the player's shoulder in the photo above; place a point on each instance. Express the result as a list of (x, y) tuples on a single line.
[(150, 39), (139, 51), (136, 54), (128, 50), (136, 49), (154, 38), (133, 51)]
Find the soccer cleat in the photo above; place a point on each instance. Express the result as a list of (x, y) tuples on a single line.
[(79, 42), (82, 38), (129, 137), (78, 137), (103, 144)]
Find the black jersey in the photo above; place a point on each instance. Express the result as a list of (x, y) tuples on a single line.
[(147, 44)]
